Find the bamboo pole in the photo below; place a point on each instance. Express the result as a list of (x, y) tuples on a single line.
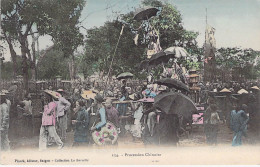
[(110, 68)]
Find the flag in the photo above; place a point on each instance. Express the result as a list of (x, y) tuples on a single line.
[(210, 39), (210, 49), (210, 42)]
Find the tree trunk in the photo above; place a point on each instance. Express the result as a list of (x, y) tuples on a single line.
[(72, 68), (33, 63), (13, 55), (33, 72), (25, 73), (24, 65), (31, 58)]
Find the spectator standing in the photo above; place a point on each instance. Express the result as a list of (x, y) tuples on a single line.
[(48, 122), (81, 124), (238, 124), (211, 124), (63, 107), (4, 123)]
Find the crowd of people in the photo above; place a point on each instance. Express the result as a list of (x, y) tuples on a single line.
[(87, 109), (237, 107)]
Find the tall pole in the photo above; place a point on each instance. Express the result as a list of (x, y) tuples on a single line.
[(206, 25), (205, 58), (110, 68), (115, 51), (206, 16)]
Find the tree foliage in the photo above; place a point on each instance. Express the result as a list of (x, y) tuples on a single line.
[(100, 46), (6, 69), (154, 3), (59, 19), (101, 42), (246, 60), (54, 64)]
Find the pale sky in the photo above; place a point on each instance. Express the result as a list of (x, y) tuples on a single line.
[(237, 22)]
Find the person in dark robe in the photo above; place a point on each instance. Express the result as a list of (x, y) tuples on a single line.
[(211, 121), (166, 129), (162, 129), (254, 115), (81, 124), (123, 89)]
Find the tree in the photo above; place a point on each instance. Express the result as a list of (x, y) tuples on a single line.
[(24, 18), (54, 64), (62, 24), (154, 3), (101, 41), (100, 45), (244, 62), (6, 68), (16, 27)]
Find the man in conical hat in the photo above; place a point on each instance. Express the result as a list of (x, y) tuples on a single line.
[(255, 88), (256, 92), (47, 130)]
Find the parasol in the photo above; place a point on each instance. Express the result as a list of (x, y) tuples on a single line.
[(145, 13), (144, 64), (125, 75), (176, 52), (172, 83), (175, 103), (158, 58)]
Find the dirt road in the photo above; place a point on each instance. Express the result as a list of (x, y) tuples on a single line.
[(191, 150)]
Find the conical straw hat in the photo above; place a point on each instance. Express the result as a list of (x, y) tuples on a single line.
[(52, 93), (241, 91), (132, 96), (2, 94), (225, 90), (255, 87), (87, 94)]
